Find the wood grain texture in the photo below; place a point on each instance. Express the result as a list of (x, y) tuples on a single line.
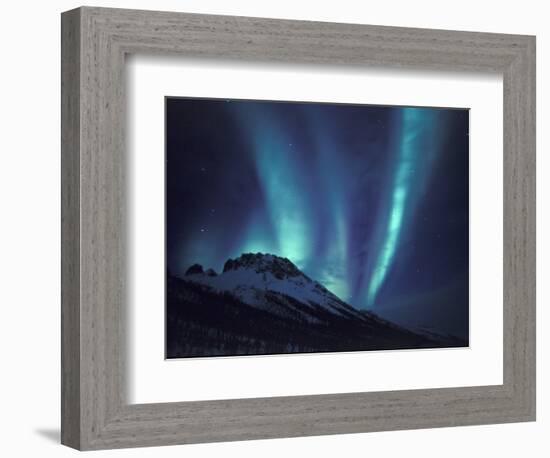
[(70, 229), (95, 410)]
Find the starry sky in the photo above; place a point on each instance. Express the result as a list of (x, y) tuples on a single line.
[(371, 201)]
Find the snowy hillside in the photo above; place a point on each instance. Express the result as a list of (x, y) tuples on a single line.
[(263, 304), (255, 278)]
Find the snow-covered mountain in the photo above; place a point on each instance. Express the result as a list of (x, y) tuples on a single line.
[(273, 284), (264, 304)]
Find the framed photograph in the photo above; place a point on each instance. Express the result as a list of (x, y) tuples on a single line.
[(308, 227), (273, 202)]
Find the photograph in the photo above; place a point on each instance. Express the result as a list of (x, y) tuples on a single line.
[(309, 227)]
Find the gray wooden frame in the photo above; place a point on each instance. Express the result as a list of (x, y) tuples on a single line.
[(95, 413)]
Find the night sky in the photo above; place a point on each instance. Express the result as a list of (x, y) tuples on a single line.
[(370, 201)]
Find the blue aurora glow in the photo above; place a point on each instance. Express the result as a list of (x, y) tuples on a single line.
[(370, 201), (416, 147)]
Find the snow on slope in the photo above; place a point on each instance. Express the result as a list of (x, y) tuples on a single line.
[(272, 283)]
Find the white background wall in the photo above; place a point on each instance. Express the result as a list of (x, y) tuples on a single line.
[(29, 229)]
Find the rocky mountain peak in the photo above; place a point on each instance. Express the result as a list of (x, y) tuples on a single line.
[(259, 262), (211, 272), (194, 269), (198, 269)]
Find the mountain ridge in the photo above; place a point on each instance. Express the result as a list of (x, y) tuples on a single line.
[(251, 275), (264, 304)]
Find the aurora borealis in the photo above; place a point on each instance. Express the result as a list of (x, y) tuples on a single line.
[(371, 201)]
